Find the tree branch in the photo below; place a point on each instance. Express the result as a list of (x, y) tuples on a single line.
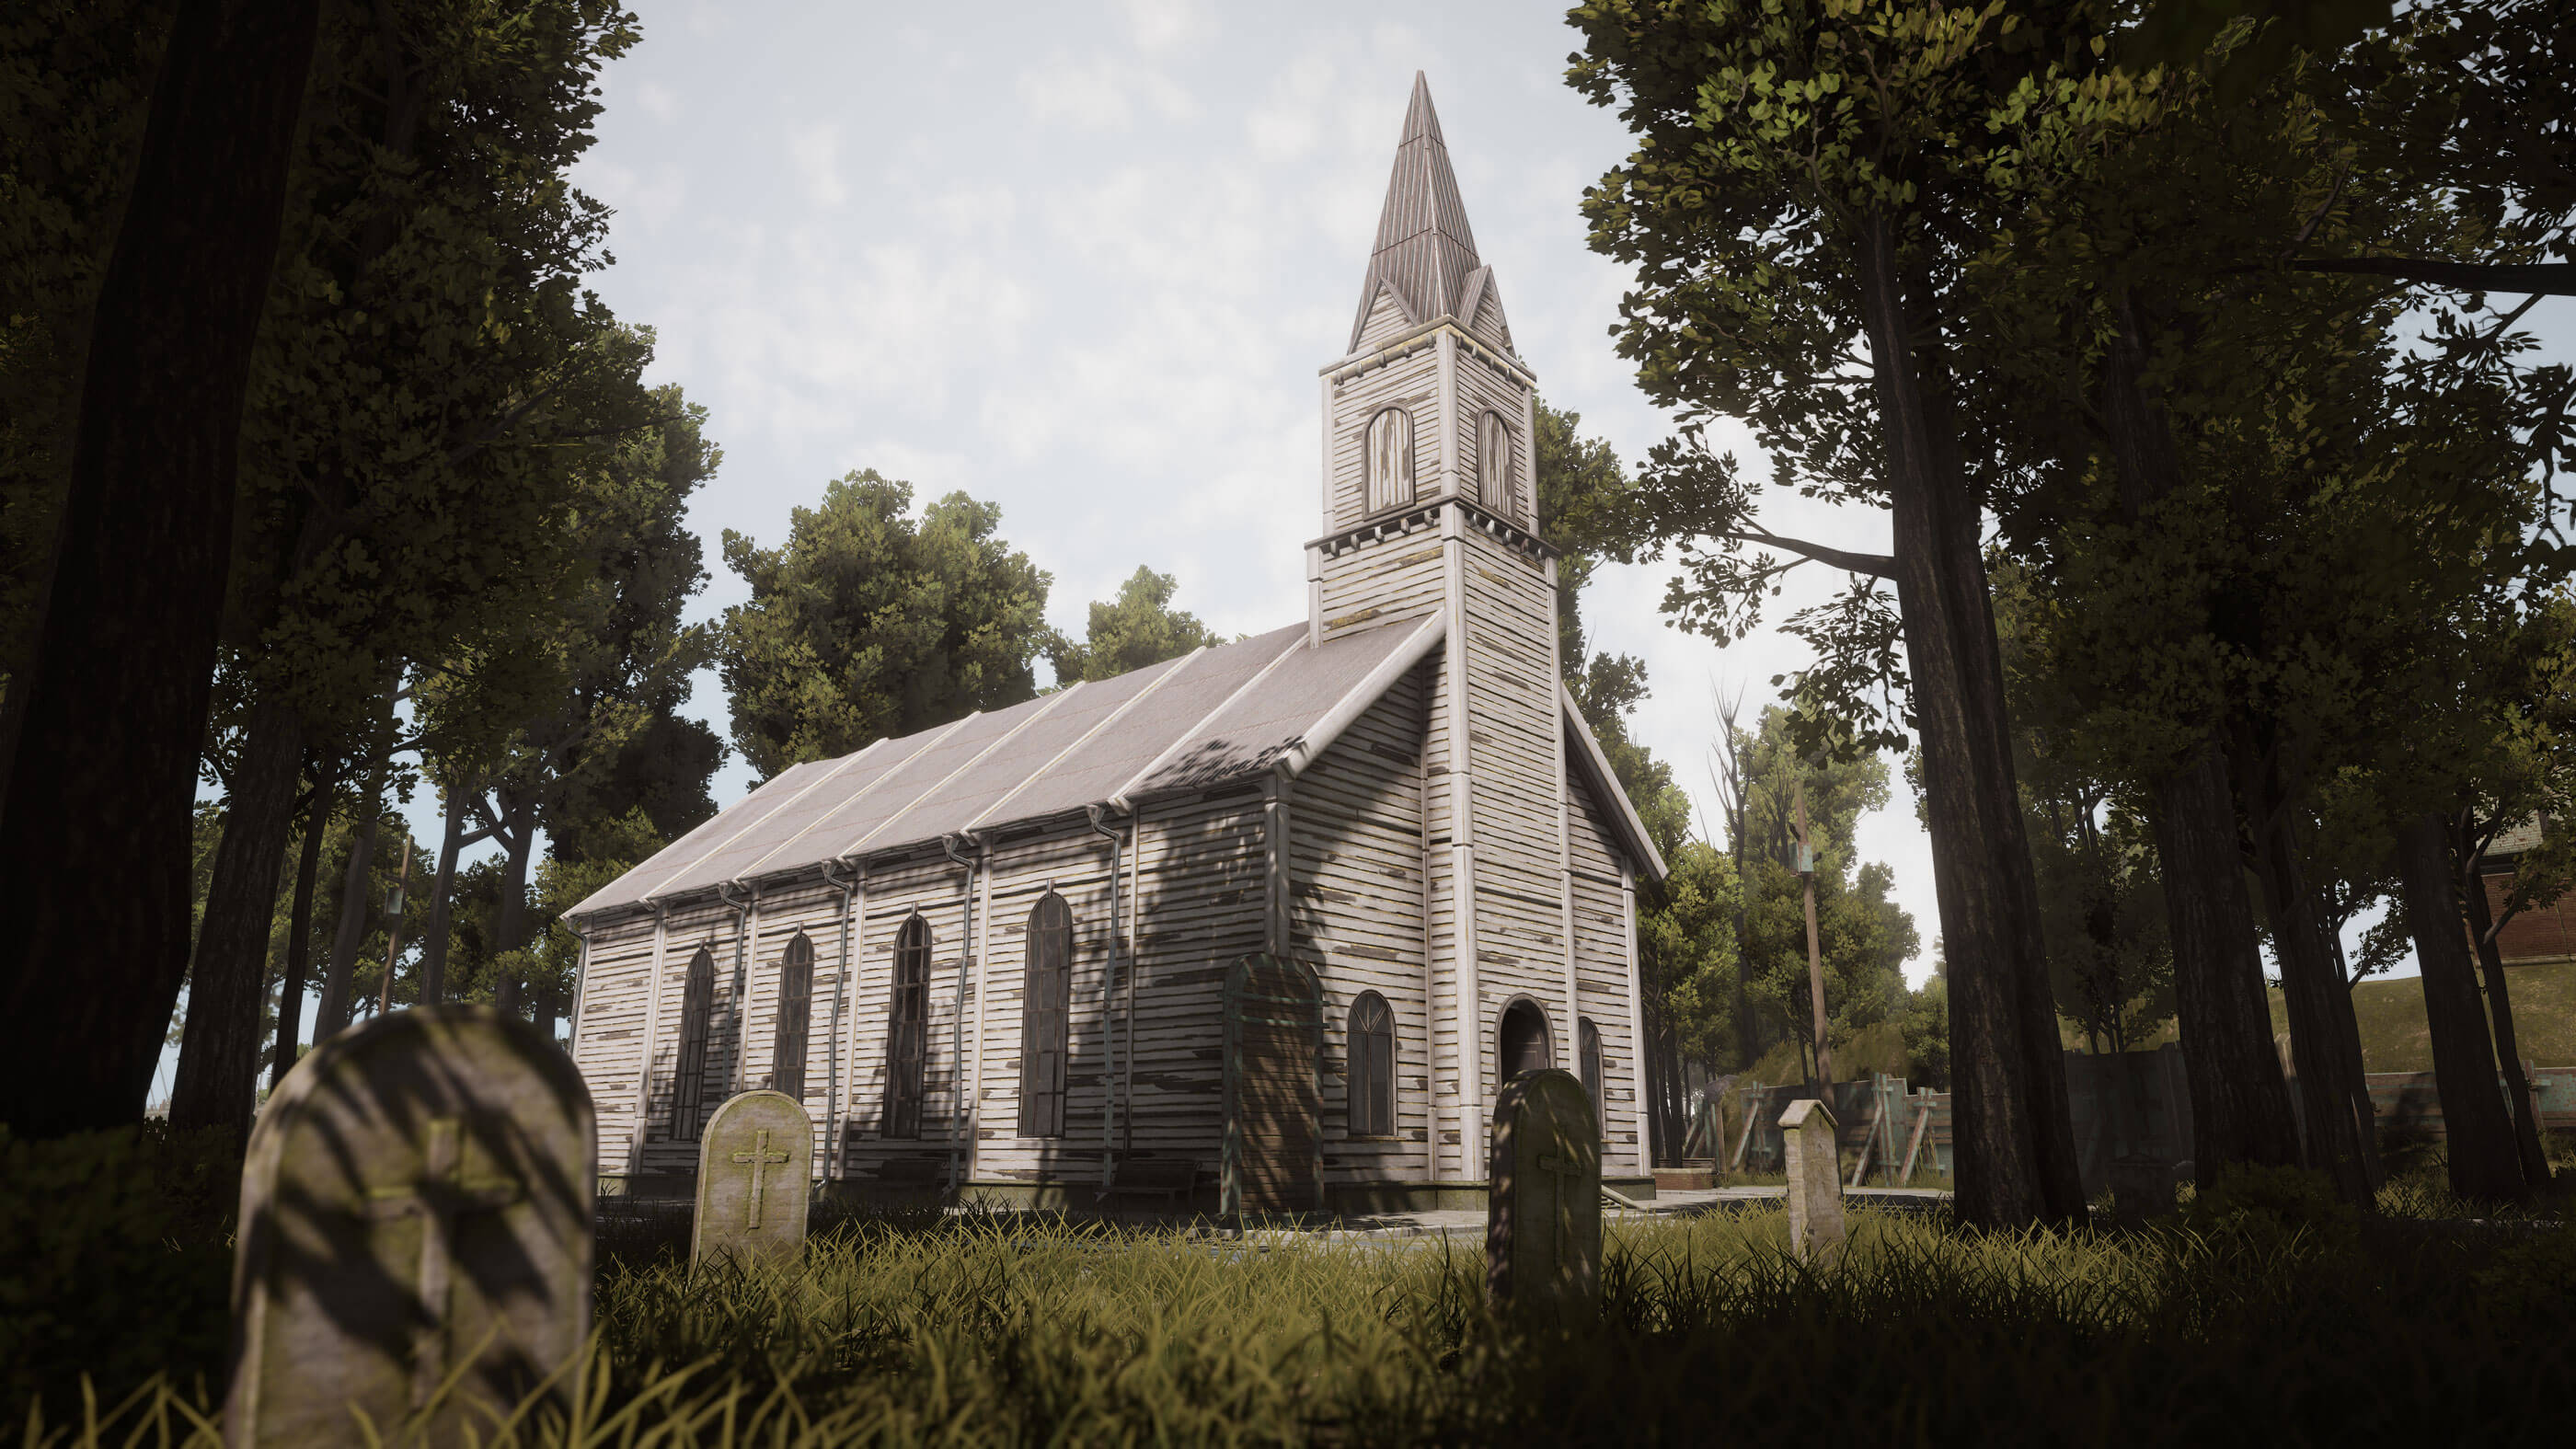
[(1876, 565), (2549, 279)]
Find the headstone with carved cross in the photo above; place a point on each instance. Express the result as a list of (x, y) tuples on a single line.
[(754, 1174), (415, 1244), (1543, 1198), (1815, 1181)]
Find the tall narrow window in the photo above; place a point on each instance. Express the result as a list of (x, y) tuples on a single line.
[(1494, 465), (689, 1076), (1371, 1104), (1591, 1038), (795, 1017), (1046, 1017), (1390, 460), (908, 1029)]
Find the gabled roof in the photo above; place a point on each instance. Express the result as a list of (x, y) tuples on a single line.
[(1425, 252), (1594, 766), (1212, 717)]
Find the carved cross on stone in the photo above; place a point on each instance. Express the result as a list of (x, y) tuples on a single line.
[(1543, 1204), (754, 1178), (759, 1157), (440, 1195)]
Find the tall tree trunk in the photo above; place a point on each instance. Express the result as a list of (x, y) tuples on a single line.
[(2015, 1147), (518, 834), (2482, 926), (2313, 990), (433, 939), (104, 727), (2358, 1084), (299, 929), (338, 1003), (219, 1055), (2484, 1165), (2240, 1105)]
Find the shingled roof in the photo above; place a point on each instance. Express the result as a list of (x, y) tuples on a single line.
[(1212, 716)]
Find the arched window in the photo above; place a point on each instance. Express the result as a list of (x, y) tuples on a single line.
[(1522, 1043), (1591, 1057), (908, 1029), (1046, 1017), (795, 1017), (1390, 460), (689, 1075), (1494, 465), (1371, 1102)]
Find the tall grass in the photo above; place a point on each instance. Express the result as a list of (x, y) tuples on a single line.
[(2219, 1328)]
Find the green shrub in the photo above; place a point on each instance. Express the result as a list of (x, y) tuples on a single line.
[(115, 1258), (2274, 1206)]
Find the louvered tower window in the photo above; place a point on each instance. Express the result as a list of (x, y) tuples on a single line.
[(1390, 460), (1494, 466), (1371, 1104), (689, 1074), (795, 1017), (1046, 1017), (908, 1029)]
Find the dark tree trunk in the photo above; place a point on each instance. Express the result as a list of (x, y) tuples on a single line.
[(2240, 1105), (433, 938), (2484, 1165), (104, 727), (299, 930), (219, 1055), (2526, 1125), (518, 834), (2364, 1113), (2015, 1147), (2314, 992), (352, 928)]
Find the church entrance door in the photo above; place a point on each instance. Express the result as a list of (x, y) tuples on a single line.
[(1274, 1036)]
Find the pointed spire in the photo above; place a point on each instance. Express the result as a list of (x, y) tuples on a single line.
[(1425, 252)]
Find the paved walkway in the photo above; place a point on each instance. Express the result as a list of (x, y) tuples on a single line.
[(1470, 1222)]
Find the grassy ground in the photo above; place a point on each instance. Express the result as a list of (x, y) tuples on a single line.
[(2391, 1017), (2264, 1313)]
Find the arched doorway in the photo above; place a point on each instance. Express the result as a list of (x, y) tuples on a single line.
[(1522, 1044)]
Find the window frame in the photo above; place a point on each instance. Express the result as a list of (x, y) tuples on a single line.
[(1381, 499), (1368, 1050), (1596, 1078), (1046, 1017), (697, 1027), (908, 1030), (1503, 496), (789, 1039)]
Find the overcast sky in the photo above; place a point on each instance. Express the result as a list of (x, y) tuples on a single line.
[(1084, 260)]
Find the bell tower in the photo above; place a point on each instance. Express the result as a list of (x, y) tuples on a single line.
[(1429, 507)]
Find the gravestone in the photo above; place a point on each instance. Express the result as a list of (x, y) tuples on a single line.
[(2142, 1188), (1815, 1181), (1543, 1199), (415, 1243), (754, 1176)]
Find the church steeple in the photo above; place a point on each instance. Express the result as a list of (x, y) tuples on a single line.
[(1426, 254)]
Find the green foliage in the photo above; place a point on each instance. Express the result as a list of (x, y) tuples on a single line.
[(1927, 1031), (867, 623), (2271, 1206), (1137, 628), (115, 1257)]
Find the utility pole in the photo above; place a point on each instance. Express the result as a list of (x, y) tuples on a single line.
[(393, 926), (1815, 956)]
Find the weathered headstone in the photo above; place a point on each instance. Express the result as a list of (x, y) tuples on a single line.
[(1543, 1199), (2142, 1188), (1815, 1181), (416, 1228), (754, 1176)]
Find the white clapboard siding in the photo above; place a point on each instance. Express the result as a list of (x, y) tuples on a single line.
[(1409, 381), (1074, 862), (610, 1049), (1602, 967), (1356, 913), (1383, 579), (934, 886)]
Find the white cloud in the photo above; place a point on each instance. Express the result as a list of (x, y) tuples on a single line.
[(1163, 25), (815, 154)]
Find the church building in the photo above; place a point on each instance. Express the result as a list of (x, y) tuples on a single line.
[(1262, 928)]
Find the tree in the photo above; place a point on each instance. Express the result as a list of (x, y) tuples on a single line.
[(1797, 198), (103, 726), (1137, 628), (867, 623)]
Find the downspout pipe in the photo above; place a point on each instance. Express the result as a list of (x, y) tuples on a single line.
[(959, 1117), (1108, 996), (832, 1130)]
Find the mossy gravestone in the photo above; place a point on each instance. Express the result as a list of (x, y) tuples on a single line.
[(1543, 1202), (1815, 1181), (754, 1179), (415, 1242)]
